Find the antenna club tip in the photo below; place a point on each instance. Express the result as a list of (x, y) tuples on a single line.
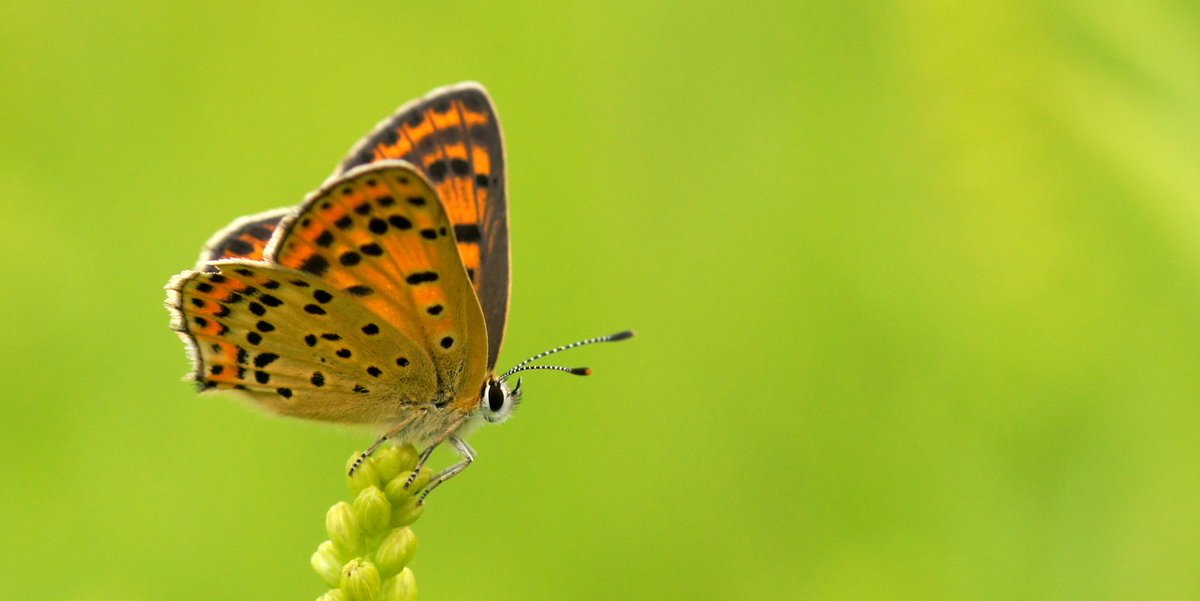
[(621, 336), (581, 371)]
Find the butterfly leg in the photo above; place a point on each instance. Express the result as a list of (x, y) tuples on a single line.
[(379, 442), (429, 451), (468, 458), (420, 464)]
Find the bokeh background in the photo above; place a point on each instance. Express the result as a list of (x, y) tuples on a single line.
[(916, 287)]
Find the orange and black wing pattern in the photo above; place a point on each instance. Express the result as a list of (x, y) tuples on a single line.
[(245, 238), (453, 137)]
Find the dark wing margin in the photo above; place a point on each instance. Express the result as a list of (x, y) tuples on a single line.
[(245, 238), (453, 137)]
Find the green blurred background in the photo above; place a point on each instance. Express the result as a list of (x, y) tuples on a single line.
[(916, 285)]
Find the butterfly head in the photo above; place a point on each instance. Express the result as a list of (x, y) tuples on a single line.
[(497, 401)]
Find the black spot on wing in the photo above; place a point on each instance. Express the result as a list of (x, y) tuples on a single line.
[(264, 359), (467, 232), (259, 232), (421, 277), (316, 265), (437, 171)]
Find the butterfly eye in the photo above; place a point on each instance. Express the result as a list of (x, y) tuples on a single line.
[(497, 402), (495, 399)]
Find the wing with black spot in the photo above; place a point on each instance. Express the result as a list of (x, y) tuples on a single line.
[(296, 345), (380, 235), (245, 238), (453, 137)]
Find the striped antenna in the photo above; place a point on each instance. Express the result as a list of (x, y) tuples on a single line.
[(579, 371)]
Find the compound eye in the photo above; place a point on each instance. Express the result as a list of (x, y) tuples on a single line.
[(495, 399)]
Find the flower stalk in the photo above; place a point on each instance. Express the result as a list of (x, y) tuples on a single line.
[(370, 542)]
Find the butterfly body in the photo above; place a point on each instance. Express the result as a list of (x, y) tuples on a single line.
[(382, 298)]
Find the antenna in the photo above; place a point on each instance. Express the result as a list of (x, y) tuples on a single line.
[(578, 371)]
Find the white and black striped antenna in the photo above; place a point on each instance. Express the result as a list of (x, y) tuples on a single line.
[(578, 371)]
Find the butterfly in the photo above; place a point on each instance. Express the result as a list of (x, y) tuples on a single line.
[(382, 299)]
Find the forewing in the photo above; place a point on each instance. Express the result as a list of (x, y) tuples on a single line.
[(379, 234), (453, 136), (245, 238), (296, 345)]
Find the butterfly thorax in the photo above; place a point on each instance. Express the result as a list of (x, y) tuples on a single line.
[(431, 425)]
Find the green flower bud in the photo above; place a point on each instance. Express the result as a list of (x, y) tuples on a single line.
[(406, 512), (392, 461), (401, 587), (327, 564), (344, 531), (372, 509), (366, 474), (360, 580), (395, 551), (333, 595)]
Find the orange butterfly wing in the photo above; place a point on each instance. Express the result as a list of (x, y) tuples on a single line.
[(380, 234), (360, 308), (245, 238), (453, 136)]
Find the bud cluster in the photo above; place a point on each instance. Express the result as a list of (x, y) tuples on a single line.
[(370, 543)]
